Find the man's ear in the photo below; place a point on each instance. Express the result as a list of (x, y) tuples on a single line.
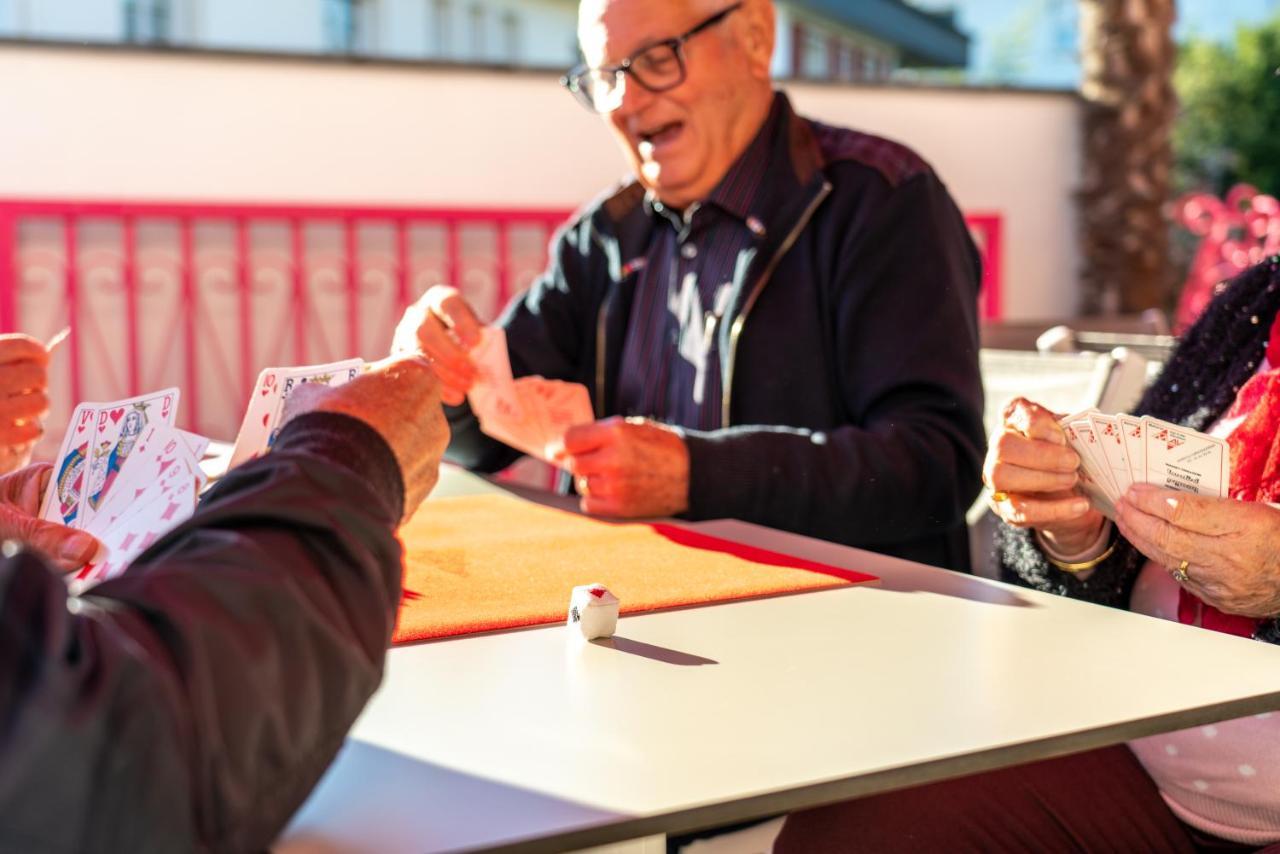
[(759, 33)]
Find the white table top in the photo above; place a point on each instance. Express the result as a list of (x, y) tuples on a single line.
[(534, 740)]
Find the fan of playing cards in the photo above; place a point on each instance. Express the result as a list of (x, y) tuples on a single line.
[(530, 414), (1117, 451), (126, 475)]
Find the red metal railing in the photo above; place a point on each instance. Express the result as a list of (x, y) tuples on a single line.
[(203, 295), (988, 233)]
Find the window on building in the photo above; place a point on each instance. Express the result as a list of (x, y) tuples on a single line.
[(147, 21), (797, 50), (340, 25), (849, 63), (351, 26), (817, 64), (511, 38), (479, 45), (441, 26), (871, 65)]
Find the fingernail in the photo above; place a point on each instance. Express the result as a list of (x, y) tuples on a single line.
[(1080, 507), (1071, 460), (79, 548)]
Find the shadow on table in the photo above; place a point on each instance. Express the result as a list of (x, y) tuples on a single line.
[(652, 652), (373, 799), (914, 579)]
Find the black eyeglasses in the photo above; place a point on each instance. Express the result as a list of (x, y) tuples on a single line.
[(658, 68)]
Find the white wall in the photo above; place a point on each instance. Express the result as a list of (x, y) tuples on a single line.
[(1013, 153), (209, 128)]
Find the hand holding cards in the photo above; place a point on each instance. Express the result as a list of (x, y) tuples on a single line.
[(263, 416), (126, 475), (1117, 451), (530, 414)]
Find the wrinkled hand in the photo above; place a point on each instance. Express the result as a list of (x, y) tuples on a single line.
[(20, 496), (627, 468), (443, 326), (1032, 473), (24, 400), (1233, 547), (400, 398)]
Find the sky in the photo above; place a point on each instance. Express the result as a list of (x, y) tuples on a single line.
[(1033, 42)]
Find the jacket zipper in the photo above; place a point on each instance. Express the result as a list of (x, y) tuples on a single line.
[(735, 331), (600, 350)]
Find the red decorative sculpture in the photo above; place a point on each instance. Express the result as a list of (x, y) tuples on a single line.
[(1235, 233)]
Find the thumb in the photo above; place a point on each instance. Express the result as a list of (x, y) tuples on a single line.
[(65, 547)]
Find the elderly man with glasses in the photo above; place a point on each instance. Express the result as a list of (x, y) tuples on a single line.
[(775, 318)]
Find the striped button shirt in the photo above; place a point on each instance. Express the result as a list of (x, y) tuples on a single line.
[(671, 359)]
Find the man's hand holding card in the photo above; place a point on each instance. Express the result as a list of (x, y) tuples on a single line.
[(531, 414), (264, 414)]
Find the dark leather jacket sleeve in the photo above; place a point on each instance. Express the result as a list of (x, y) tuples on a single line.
[(193, 703)]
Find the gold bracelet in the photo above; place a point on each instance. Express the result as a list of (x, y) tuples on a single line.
[(1084, 564)]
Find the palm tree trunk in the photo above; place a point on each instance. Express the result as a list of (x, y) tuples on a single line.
[(1128, 56)]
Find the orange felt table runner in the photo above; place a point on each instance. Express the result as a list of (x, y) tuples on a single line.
[(484, 562)]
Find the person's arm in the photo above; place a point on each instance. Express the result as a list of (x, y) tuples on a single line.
[(907, 462), (1109, 582), (193, 702)]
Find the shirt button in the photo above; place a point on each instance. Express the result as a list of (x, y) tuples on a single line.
[(689, 251)]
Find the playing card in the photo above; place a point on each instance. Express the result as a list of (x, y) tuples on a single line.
[(1186, 460), (178, 478), (1135, 441), (171, 501), (160, 448), (1110, 437), (1091, 455), (1088, 484), (197, 443), (493, 395), (332, 375), (262, 416), (566, 404), (559, 406), (256, 425), (119, 426), (70, 468), (531, 414)]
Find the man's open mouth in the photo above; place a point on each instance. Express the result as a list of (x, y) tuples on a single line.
[(657, 137)]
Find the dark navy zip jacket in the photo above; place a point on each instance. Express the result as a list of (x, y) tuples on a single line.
[(852, 401)]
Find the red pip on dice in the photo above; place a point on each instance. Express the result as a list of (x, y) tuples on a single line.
[(1117, 451), (593, 612)]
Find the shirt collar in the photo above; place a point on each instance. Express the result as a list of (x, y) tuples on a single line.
[(741, 188)]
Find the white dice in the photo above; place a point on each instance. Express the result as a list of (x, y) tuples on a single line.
[(593, 612)]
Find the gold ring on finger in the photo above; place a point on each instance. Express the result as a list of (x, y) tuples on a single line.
[(999, 497), (1180, 574)]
